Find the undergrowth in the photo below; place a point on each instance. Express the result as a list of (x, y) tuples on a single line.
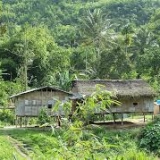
[(7, 150), (150, 137), (91, 142), (81, 140)]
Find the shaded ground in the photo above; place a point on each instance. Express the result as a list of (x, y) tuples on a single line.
[(137, 121), (128, 123), (109, 124)]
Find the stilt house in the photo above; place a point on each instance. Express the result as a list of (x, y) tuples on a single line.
[(135, 96), (29, 103)]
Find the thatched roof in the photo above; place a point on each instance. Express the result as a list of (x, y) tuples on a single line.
[(119, 88), (45, 88)]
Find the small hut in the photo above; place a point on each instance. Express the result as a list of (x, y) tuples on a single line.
[(136, 96), (30, 102)]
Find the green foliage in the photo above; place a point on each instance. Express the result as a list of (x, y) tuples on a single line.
[(82, 37), (133, 154), (150, 137), (67, 38), (43, 117), (6, 116), (8, 88), (72, 143), (99, 101), (7, 150)]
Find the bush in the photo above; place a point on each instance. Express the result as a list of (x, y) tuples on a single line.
[(150, 137), (43, 117), (6, 116)]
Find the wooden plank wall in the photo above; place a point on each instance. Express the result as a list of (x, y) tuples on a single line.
[(30, 104)]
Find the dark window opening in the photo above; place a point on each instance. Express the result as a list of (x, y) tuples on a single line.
[(49, 106), (135, 103)]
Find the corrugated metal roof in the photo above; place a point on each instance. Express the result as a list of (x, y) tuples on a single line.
[(38, 89)]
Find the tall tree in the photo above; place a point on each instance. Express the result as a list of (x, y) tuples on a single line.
[(96, 32)]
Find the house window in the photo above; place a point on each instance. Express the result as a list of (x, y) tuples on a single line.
[(135, 104), (50, 104), (39, 102), (34, 102), (26, 102)]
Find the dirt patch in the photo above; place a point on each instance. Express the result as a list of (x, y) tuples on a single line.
[(119, 124)]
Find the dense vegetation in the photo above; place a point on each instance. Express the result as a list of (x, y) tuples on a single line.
[(7, 151), (78, 139), (91, 142), (52, 42), (149, 137)]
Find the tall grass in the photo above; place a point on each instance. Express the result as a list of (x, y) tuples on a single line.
[(7, 150), (91, 142)]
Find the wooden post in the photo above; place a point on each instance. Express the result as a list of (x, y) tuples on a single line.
[(58, 120), (122, 119), (152, 116), (16, 120), (114, 118), (104, 117), (20, 123), (25, 121), (144, 117)]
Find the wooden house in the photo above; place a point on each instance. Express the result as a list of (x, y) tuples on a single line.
[(135, 96), (30, 102)]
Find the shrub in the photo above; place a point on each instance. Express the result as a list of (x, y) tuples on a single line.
[(43, 117), (150, 136), (6, 116)]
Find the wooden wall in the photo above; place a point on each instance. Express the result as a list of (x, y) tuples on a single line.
[(139, 105), (31, 103), (156, 109)]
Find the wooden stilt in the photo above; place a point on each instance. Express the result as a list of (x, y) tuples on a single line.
[(114, 118), (104, 117), (59, 121), (16, 121), (122, 119), (25, 121), (54, 120), (144, 117), (152, 116), (20, 123)]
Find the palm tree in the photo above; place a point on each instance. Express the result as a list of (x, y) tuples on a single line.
[(95, 29)]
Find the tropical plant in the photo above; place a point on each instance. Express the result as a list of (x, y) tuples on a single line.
[(7, 116), (99, 101), (43, 117), (150, 135)]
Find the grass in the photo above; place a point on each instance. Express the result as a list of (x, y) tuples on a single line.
[(7, 150), (93, 143)]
